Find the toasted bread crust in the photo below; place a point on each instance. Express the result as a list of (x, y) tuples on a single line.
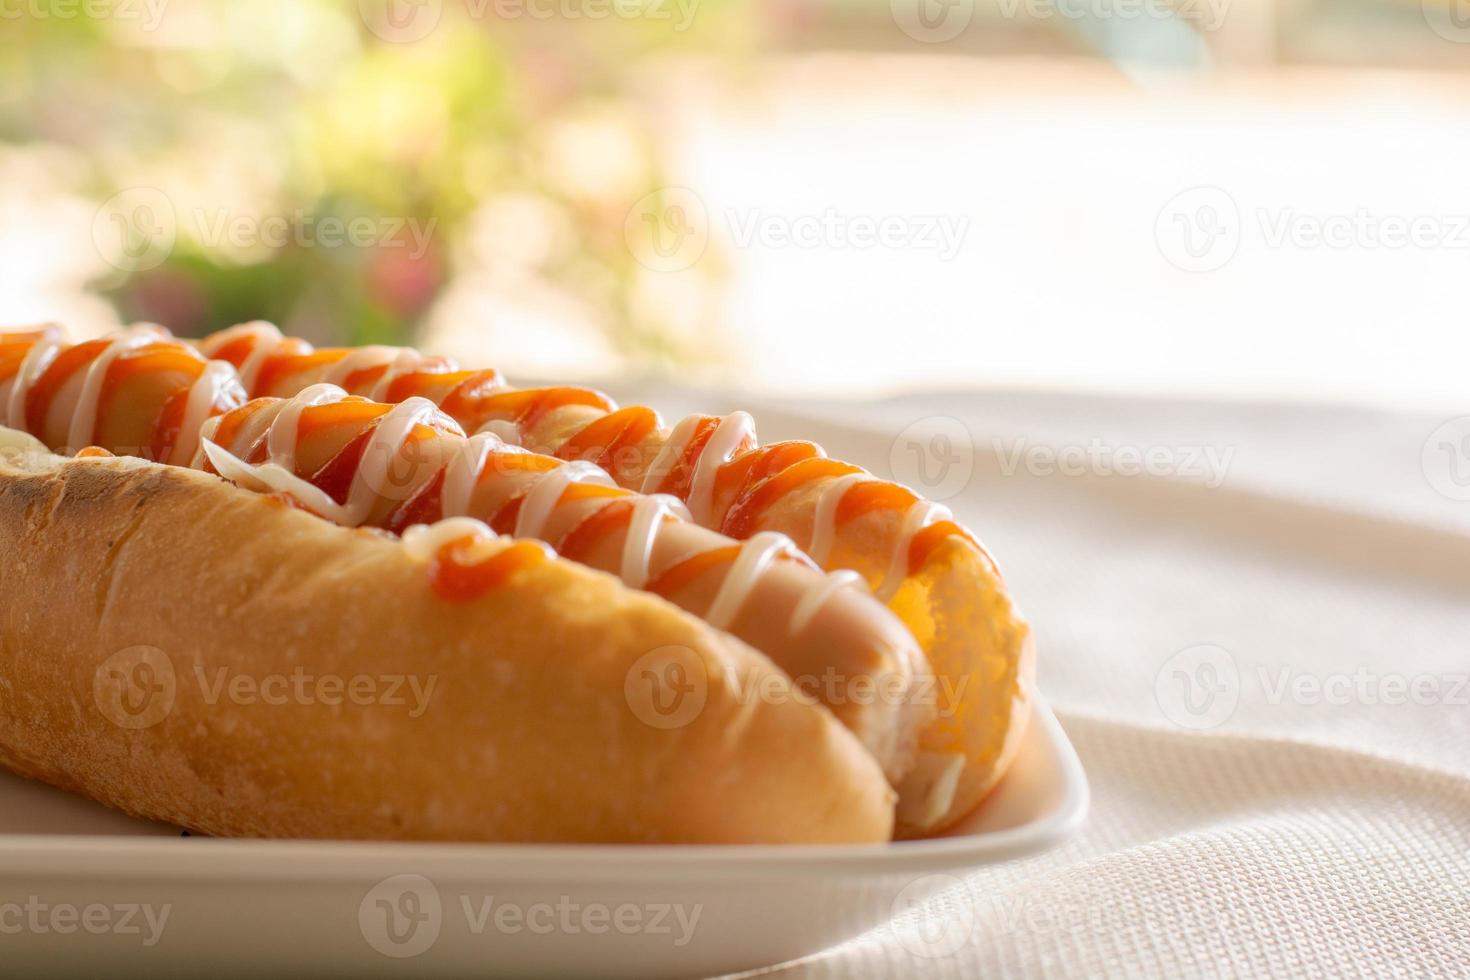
[(531, 727)]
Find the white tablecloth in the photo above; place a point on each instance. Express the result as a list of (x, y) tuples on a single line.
[(1260, 654)]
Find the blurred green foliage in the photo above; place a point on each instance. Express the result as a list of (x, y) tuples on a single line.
[(296, 111)]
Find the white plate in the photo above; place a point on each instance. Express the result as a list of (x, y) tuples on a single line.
[(84, 889)]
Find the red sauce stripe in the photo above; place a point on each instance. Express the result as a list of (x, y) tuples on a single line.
[(740, 521), (603, 439), (526, 406), (736, 478), (471, 390), (681, 574), (864, 498), (41, 394), (453, 579), (601, 523), (425, 507)]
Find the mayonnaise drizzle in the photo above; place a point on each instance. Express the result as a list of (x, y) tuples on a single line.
[(362, 359), (461, 474), (915, 519), (729, 434), (673, 448), (423, 542), (755, 555), (389, 434), (540, 501), (811, 603), (84, 418), (207, 433), (824, 520), (204, 394), (36, 361), (265, 339), (648, 516), (286, 427), (406, 361), (504, 430), (271, 477)]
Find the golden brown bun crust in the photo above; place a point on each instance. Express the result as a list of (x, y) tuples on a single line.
[(527, 734)]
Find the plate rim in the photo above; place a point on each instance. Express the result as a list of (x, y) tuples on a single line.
[(108, 856)]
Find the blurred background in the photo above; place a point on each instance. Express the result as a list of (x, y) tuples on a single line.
[(1238, 198)]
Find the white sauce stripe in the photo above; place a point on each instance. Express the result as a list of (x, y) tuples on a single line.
[(265, 339), (424, 541), (361, 359), (643, 529), (755, 555), (36, 361), (729, 434), (824, 521), (390, 433), (463, 472), (207, 433), (540, 501), (538, 504), (815, 599), (504, 430), (286, 428), (84, 418), (213, 382), (672, 449), (408, 360), (915, 519), (270, 477)]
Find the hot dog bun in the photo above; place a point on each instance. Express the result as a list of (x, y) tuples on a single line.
[(535, 728), (932, 572)]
